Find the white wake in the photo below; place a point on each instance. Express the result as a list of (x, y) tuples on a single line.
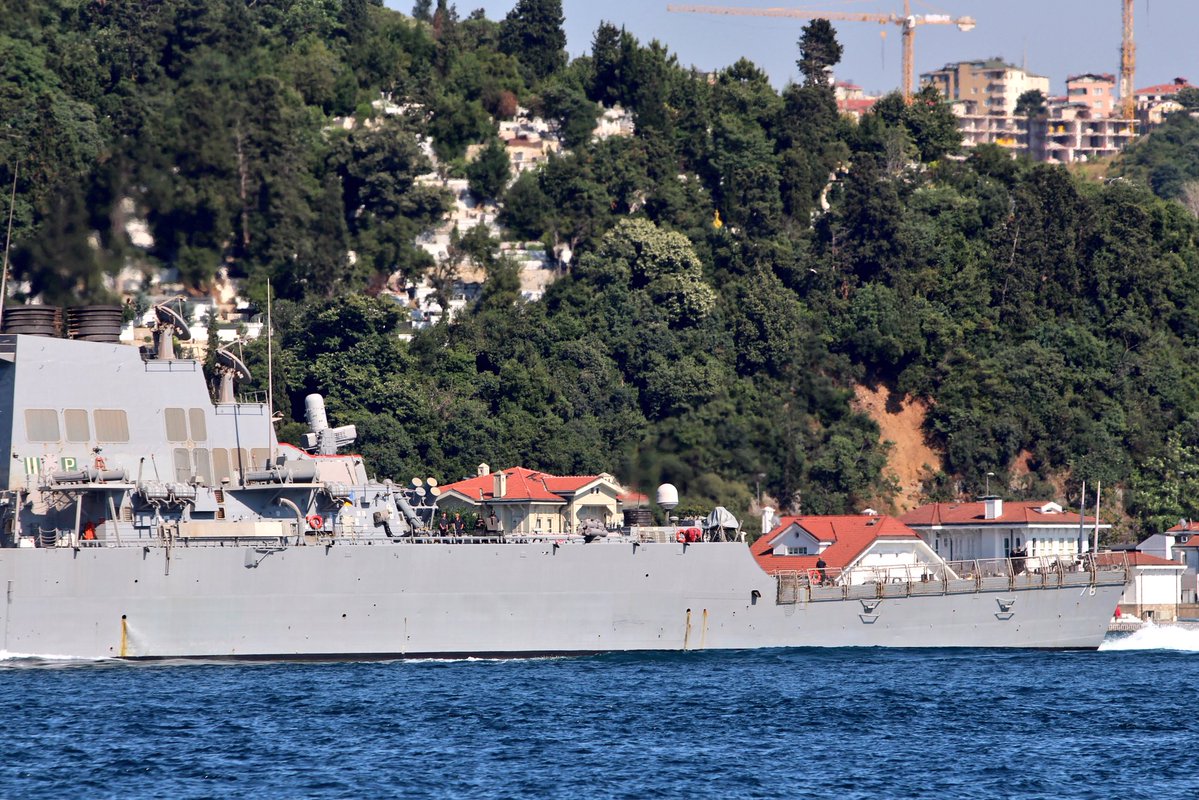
[(1156, 637), (7, 656)]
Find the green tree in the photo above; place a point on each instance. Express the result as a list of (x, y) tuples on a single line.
[(819, 52), (532, 31), (1032, 103), (489, 173), (932, 125)]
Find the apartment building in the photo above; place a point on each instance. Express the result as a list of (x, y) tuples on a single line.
[(991, 86), (1073, 134), (1097, 91)]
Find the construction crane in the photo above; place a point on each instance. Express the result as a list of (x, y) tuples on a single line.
[(1128, 66), (908, 21)]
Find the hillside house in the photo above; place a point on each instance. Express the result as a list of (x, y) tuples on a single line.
[(877, 545), (991, 528), (532, 503)]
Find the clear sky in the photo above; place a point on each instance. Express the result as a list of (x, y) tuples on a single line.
[(1055, 38)]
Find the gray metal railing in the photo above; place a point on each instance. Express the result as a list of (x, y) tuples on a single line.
[(952, 577)]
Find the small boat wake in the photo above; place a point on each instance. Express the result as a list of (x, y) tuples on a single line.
[(1156, 637)]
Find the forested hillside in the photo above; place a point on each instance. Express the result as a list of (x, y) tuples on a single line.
[(715, 316)]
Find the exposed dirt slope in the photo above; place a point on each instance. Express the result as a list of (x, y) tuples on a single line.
[(900, 420)]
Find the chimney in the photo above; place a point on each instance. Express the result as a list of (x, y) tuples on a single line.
[(484, 469), (768, 520), (992, 507), (500, 486)]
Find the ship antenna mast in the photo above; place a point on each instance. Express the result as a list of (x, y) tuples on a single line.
[(12, 204), (270, 383)]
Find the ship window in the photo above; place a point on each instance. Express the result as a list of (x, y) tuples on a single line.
[(203, 465), (260, 456), (41, 424), (220, 464), (176, 425), (199, 426), (183, 465), (112, 425), (76, 422)]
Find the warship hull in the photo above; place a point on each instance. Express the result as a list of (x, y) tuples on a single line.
[(344, 600)]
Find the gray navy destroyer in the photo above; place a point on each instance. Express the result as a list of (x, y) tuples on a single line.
[(139, 519)]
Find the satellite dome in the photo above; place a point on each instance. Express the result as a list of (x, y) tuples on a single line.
[(668, 496)]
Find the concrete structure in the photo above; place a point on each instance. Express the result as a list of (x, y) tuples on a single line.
[(1094, 90), (991, 86), (1009, 132), (1153, 593), (528, 502), (1068, 133), (1073, 134), (991, 528)]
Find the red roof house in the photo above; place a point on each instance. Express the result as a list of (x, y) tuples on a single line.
[(797, 542), (528, 501)]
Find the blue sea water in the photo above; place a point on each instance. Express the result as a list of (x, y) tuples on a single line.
[(846, 723)]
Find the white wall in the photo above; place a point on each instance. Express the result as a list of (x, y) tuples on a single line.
[(1154, 586)]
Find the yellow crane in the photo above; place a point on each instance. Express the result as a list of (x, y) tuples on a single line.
[(907, 21), (1128, 65)]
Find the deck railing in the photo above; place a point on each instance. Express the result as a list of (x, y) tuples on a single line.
[(952, 577)]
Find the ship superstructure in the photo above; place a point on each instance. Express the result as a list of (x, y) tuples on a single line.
[(139, 519)]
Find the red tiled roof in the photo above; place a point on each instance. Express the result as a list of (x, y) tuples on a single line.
[(634, 498), (849, 536), (859, 104), (1137, 559), (521, 484), (1185, 527), (1162, 88), (567, 483), (1020, 512), (1192, 541)]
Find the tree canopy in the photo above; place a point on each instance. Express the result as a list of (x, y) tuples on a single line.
[(728, 275)]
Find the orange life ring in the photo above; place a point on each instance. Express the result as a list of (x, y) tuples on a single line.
[(681, 537), (814, 576), (315, 521)]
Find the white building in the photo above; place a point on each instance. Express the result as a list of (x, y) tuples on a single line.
[(1180, 544), (1153, 592), (990, 528), (991, 86)]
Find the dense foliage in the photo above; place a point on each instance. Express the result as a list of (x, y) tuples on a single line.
[(736, 266)]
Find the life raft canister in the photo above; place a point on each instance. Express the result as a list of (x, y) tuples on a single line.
[(316, 521)]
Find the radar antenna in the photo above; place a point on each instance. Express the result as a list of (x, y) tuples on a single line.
[(230, 366), (168, 324)]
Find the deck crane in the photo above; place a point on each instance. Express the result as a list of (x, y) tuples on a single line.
[(1128, 64), (908, 21)]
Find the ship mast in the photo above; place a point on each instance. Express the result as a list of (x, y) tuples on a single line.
[(270, 383), (12, 204)]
